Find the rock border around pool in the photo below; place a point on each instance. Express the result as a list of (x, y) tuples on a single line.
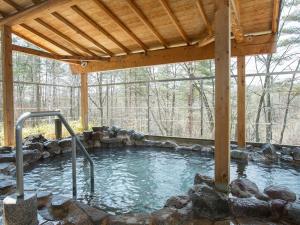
[(203, 204)]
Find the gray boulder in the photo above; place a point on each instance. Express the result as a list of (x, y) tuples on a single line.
[(277, 208), (36, 145), (208, 202), (292, 212), (280, 192), (296, 154), (183, 148), (269, 151), (177, 202), (7, 157), (52, 147), (168, 144), (243, 188), (202, 179), (34, 139), (240, 155), (31, 156), (196, 147), (249, 207)]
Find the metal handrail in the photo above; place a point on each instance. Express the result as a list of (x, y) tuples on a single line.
[(75, 142)]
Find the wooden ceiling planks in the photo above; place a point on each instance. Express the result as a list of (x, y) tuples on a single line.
[(110, 28)]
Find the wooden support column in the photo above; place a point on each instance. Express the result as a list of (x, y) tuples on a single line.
[(8, 87), (84, 101), (222, 97), (241, 107)]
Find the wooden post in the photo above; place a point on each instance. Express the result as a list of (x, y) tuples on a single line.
[(58, 128), (84, 101), (8, 87), (222, 96), (241, 107)]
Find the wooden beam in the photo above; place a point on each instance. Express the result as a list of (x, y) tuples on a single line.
[(121, 24), (40, 35), (235, 21), (13, 4), (84, 110), (99, 28), (174, 20), (34, 42), (241, 106), (63, 36), (222, 95), (35, 11), (62, 58), (81, 33), (204, 17), (275, 18), (206, 40), (263, 44), (146, 22), (8, 88)]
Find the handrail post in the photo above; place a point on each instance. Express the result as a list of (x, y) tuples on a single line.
[(74, 166), (75, 142)]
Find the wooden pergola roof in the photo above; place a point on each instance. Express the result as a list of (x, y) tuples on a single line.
[(115, 34)]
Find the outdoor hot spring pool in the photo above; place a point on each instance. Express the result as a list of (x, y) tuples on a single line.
[(141, 180)]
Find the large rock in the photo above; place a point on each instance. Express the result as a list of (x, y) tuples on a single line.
[(208, 202), (168, 144), (130, 219), (277, 208), (196, 147), (65, 144), (31, 156), (292, 212), (52, 147), (7, 157), (269, 151), (60, 206), (43, 198), (202, 179), (177, 202), (97, 216), (165, 216), (183, 148), (280, 192), (34, 138), (137, 136), (240, 155), (249, 207), (243, 188), (7, 187), (7, 168), (296, 154), (36, 145)]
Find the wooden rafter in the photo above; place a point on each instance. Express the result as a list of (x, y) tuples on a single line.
[(40, 35), (174, 20), (146, 22), (82, 33), (63, 58), (206, 40), (236, 27), (33, 11), (60, 34), (204, 17), (262, 44), (13, 4), (275, 18), (121, 24), (3, 14), (34, 42), (99, 28)]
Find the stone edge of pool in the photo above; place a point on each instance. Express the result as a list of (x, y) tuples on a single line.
[(203, 204)]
